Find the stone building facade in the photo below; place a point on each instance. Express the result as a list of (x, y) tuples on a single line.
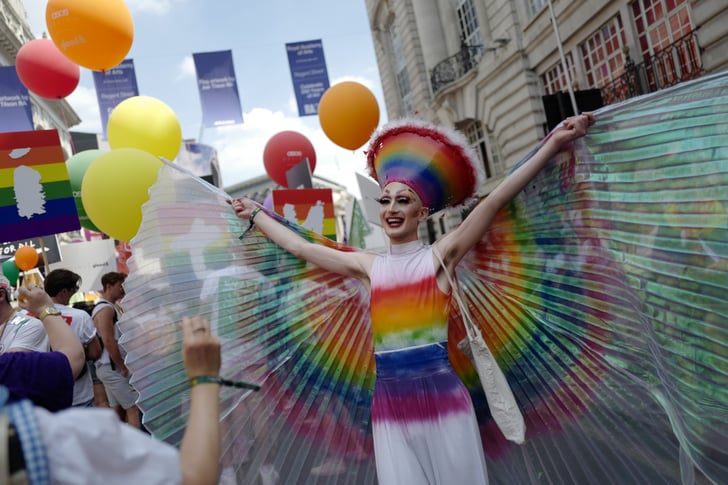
[(493, 68)]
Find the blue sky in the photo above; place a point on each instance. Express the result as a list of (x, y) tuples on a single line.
[(168, 32)]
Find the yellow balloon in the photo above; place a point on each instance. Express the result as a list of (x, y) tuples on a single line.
[(349, 114), (114, 188), (145, 123), (93, 34)]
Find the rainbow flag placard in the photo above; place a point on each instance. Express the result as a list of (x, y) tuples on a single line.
[(310, 208), (35, 191)]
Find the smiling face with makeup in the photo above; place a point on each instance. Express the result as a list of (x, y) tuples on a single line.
[(400, 212)]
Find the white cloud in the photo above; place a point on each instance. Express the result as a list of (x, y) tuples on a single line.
[(186, 68), (292, 104), (84, 103)]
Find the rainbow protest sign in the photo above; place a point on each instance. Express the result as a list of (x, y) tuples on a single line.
[(310, 208), (35, 192)]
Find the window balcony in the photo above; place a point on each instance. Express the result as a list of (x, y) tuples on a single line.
[(678, 62), (455, 67)]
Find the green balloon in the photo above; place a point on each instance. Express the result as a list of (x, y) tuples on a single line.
[(11, 271), (77, 166)]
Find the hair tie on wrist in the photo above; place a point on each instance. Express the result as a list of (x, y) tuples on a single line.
[(223, 382)]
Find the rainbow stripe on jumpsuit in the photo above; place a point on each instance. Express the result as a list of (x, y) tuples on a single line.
[(424, 425)]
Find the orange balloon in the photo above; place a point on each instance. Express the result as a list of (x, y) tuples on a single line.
[(26, 258), (93, 34), (349, 114)]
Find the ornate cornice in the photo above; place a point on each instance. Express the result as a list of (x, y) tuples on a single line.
[(14, 29)]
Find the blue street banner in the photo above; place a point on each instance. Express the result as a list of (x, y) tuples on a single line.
[(308, 73), (113, 87), (15, 112), (218, 89)]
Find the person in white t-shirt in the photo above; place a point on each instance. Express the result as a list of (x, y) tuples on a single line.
[(61, 285)]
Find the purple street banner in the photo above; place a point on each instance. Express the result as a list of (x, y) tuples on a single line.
[(36, 198), (15, 112), (113, 87), (218, 89), (308, 73)]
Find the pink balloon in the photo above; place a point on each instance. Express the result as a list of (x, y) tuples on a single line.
[(45, 71)]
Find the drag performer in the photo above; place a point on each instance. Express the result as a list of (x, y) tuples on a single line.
[(424, 425)]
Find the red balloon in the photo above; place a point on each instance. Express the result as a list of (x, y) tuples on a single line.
[(283, 151), (45, 71)]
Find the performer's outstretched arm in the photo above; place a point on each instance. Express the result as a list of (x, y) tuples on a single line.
[(457, 243), (346, 263)]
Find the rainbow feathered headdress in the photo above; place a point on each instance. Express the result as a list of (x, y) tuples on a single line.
[(437, 163)]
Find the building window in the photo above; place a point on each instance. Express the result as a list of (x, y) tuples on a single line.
[(666, 41), (468, 22), (603, 53), (495, 155), (660, 23), (400, 70), (475, 134), (537, 5), (554, 80)]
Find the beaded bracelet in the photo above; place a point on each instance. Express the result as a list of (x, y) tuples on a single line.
[(223, 382)]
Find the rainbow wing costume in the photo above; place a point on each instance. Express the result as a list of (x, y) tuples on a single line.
[(601, 290)]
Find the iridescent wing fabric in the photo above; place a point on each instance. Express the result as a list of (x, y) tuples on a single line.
[(602, 292), (300, 333), (600, 289)]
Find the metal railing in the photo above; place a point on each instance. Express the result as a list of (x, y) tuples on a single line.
[(678, 62), (456, 66)]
